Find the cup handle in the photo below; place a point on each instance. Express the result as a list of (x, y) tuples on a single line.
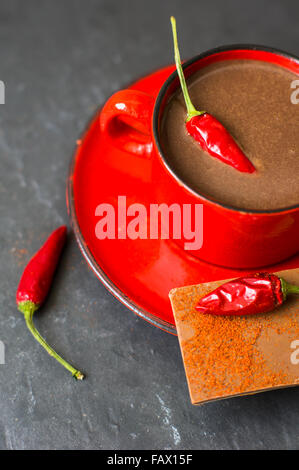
[(126, 118)]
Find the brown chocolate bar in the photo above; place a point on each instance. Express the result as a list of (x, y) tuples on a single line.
[(229, 356)]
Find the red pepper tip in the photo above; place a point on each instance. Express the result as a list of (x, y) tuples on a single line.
[(62, 229), (250, 168)]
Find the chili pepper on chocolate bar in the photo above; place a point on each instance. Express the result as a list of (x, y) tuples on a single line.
[(206, 129), (257, 293), (35, 284)]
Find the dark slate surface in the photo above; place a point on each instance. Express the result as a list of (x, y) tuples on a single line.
[(59, 60)]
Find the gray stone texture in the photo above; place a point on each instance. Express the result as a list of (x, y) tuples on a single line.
[(60, 59)]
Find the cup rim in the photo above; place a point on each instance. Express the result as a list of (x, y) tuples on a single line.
[(155, 121)]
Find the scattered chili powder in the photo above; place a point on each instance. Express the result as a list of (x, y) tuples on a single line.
[(20, 254)]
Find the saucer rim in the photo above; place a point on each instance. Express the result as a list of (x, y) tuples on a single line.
[(92, 263)]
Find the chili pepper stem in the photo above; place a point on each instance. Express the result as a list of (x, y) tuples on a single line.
[(288, 288), (191, 111), (28, 308)]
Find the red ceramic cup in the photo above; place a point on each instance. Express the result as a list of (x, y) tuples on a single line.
[(231, 237)]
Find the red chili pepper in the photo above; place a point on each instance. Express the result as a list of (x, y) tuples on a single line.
[(215, 139), (35, 284), (258, 293), (206, 129)]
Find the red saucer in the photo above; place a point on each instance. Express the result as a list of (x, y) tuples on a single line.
[(140, 273)]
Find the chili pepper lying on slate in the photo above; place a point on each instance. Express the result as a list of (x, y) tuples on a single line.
[(206, 129), (257, 293), (35, 284)]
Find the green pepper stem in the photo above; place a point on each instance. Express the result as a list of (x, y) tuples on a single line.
[(28, 311), (288, 288), (291, 289), (191, 111)]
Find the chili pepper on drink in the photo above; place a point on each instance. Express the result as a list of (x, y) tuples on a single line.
[(206, 129), (35, 284), (256, 293)]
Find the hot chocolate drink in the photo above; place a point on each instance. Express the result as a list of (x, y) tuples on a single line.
[(252, 99)]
